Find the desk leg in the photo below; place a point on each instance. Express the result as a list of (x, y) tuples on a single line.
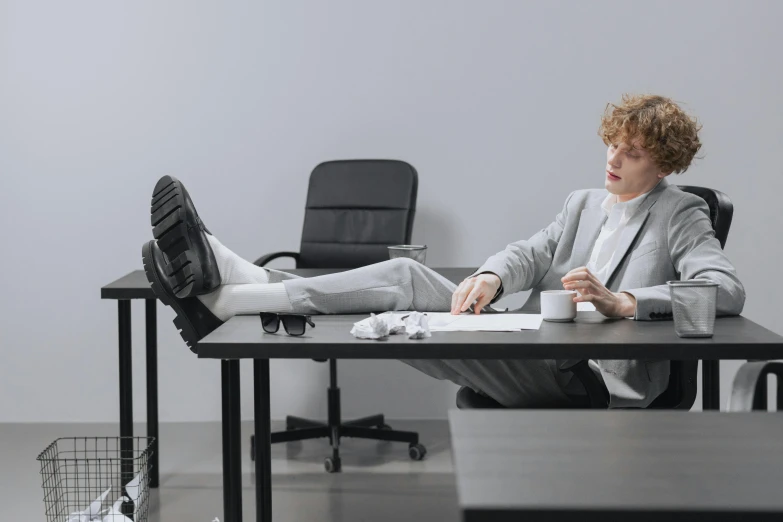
[(152, 388), (263, 440), (126, 393), (710, 385), (232, 457)]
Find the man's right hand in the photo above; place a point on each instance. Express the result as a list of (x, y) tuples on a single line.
[(480, 289)]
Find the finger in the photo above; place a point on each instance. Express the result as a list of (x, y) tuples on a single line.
[(581, 291), (577, 269), (583, 271), (582, 287), (461, 296), (454, 298), (585, 298), (472, 296), (576, 275), (482, 302), (456, 295), (592, 277)]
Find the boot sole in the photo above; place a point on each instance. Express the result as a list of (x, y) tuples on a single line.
[(186, 330), (170, 228)]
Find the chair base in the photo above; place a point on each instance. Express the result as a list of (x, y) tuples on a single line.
[(373, 427)]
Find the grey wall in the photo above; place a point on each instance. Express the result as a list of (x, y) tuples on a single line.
[(495, 103)]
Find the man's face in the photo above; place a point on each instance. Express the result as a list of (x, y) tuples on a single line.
[(630, 171)]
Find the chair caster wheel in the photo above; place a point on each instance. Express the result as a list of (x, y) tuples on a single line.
[(332, 465), (417, 451)]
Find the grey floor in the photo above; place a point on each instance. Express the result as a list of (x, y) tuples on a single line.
[(379, 482)]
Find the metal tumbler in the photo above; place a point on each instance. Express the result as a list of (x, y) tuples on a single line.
[(693, 306), (415, 252)]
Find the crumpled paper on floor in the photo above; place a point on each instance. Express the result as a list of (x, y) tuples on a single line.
[(414, 324), (95, 513)]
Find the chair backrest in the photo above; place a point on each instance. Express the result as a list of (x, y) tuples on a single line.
[(721, 210), (681, 391), (355, 209)]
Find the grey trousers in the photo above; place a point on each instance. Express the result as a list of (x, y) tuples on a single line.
[(403, 284)]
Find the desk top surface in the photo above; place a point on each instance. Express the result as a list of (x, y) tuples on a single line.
[(591, 335), (242, 337), (610, 462), (134, 285)]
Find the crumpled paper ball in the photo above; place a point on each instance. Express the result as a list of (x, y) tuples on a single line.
[(417, 326), (414, 325), (374, 327)]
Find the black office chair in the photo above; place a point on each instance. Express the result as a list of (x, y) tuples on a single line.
[(681, 390), (355, 209)]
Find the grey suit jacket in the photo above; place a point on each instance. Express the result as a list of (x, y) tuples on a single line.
[(669, 238)]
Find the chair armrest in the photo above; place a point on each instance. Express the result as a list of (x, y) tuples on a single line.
[(750, 385), (264, 260), (596, 390)]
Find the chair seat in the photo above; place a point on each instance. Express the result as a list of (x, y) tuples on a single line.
[(467, 399)]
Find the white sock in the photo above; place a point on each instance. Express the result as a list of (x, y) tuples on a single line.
[(233, 269), (237, 299), (244, 288)]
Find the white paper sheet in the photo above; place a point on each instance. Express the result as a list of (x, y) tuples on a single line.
[(93, 511), (115, 514), (445, 322), (136, 488)]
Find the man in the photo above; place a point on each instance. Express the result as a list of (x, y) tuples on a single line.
[(616, 247)]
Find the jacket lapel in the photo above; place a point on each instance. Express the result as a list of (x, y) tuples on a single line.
[(590, 222), (632, 229)]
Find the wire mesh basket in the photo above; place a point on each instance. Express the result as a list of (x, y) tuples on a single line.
[(693, 306), (77, 471)]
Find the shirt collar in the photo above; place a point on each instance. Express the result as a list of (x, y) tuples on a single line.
[(629, 207)]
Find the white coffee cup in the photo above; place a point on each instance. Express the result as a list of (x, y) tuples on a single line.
[(558, 305)]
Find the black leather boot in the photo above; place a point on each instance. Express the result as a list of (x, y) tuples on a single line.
[(194, 320), (190, 268)]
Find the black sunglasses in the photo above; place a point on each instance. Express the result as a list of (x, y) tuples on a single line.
[(294, 324)]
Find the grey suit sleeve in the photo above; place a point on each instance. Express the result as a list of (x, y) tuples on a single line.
[(522, 264), (695, 254)]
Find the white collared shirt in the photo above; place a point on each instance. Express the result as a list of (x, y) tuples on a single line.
[(605, 248)]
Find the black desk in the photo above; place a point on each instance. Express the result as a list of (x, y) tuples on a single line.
[(135, 286), (617, 465), (590, 336)]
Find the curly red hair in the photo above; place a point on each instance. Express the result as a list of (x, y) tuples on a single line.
[(670, 136)]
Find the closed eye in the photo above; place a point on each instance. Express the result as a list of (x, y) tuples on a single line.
[(634, 156)]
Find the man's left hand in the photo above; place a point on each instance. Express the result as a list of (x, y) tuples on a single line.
[(591, 290)]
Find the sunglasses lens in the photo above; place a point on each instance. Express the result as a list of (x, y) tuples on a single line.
[(294, 324), (270, 322)]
